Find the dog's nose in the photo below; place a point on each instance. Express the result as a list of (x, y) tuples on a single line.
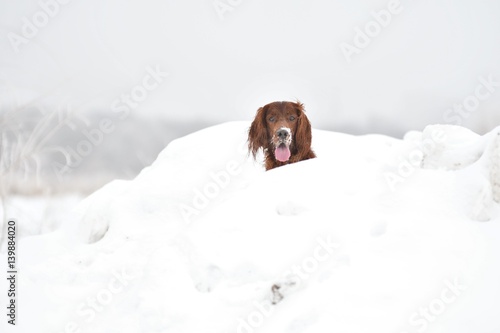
[(282, 134)]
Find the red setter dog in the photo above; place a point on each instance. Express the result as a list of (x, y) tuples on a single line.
[(283, 131)]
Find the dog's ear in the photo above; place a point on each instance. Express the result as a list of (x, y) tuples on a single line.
[(303, 137), (257, 134)]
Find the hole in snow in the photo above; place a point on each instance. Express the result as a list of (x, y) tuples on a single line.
[(289, 208), (379, 229)]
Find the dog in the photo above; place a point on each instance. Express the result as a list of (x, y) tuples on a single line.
[(283, 131)]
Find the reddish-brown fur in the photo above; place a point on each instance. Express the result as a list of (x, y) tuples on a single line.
[(268, 120)]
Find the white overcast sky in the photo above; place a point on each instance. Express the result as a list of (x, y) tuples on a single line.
[(428, 58)]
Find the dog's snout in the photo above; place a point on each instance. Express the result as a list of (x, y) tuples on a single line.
[(282, 134)]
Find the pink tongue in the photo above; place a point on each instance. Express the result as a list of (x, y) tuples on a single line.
[(282, 153)]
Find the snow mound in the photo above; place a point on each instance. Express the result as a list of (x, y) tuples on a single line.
[(477, 158), (374, 235)]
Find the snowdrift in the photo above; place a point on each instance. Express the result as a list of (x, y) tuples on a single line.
[(374, 235)]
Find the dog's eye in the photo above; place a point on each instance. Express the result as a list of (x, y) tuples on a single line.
[(272, 119), (292, 118)]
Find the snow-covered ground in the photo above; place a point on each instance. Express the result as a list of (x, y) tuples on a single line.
[(375, 235)]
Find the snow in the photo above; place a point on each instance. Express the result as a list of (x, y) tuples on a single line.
[(374, 235), (45, 213)]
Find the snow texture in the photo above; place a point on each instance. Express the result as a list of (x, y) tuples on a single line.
[(374, 235)]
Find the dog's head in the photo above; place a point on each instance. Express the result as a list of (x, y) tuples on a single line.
[(282, 129)]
